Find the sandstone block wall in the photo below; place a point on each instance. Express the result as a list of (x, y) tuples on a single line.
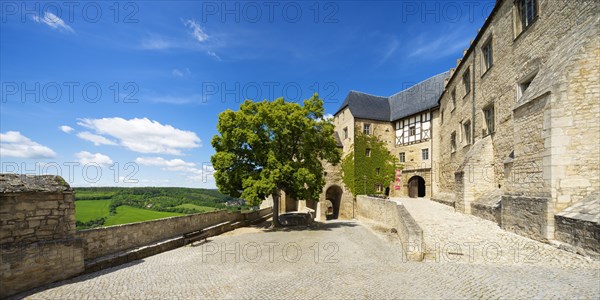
[(37, 232), (394, 215), (103, 241)]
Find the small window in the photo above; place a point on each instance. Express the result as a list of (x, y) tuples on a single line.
[(377, 170), (467, 132), (453, 97), (402, 157), (488, 114), (346, 133), (442, 116), (368, 152), (425, 154), (467, 81), (526, 14), (453, 141), (379, 188), (412, 130), (367, 129), (523, 86), (488, 57)]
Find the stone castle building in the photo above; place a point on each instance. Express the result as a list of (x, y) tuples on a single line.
[(510, 135)]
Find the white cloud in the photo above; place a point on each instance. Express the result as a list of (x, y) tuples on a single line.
[(214, 55), (328, 116), (53, 21), (189, 169), (197, 32), (181, 72), (94, 138), (13, 144), (100, 159), (169, 165), (157, 43), (66, 129), (144, 135)]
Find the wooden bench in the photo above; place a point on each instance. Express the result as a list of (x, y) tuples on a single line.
[(194, 236)]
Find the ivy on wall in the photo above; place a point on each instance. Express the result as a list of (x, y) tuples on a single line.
[(359, 166)]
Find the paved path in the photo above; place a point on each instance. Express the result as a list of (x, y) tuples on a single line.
[(353, 260), (456, 237)]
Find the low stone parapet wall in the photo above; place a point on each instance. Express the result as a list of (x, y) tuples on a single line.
[(393, 214), (107, 240)]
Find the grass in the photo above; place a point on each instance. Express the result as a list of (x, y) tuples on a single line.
[(197, 207), (86, 210), (127, 214)]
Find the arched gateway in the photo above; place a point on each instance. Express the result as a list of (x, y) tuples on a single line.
[(416, 187), (333, 195)]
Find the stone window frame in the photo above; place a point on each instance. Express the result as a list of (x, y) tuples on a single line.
[(368, 152), (345, 133), (402, 156), (425, 154), (487, 55), (520, 24), (466, 132), (467, 83), (490, 126), (379, 188), (367, 128), (453, 98), (453, 144), (523, 84)]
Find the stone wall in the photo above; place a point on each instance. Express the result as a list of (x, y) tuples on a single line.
[(544, 149), (107, 240), (37, 232), (39, 243), (526, 215), (394, 215), (579, 226)]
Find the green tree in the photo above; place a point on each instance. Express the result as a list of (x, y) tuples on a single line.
[(369, 164), (267, 147)]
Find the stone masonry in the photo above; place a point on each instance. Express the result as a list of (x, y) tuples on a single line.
[(37, 232)]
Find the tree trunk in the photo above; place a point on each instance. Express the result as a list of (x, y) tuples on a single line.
[(276, 223)]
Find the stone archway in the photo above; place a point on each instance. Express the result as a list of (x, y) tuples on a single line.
[(334, 195), (416, 187)]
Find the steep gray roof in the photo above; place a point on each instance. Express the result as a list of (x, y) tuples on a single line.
[(420, 97), (367, 106)]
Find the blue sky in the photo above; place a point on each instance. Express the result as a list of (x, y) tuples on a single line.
[(128, 94)]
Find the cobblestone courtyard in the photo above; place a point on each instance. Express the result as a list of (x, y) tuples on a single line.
[(345, 259)]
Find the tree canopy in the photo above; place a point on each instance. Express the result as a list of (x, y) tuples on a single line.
[(271, 146)]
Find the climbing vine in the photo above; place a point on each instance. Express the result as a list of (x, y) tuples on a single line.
[(363, 170)]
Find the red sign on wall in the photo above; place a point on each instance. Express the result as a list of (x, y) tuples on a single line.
[(398, 181)]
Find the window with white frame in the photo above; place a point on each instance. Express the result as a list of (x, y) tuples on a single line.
[(402, 157), (367, 129), (425, 154)]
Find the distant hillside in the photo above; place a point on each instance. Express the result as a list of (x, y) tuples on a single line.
[(102, 206)]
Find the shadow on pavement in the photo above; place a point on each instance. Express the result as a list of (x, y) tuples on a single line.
[(79, 278)]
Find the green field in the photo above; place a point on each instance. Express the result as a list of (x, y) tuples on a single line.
[(127, 214), (197, 207), (106, 206), (86, 210)]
